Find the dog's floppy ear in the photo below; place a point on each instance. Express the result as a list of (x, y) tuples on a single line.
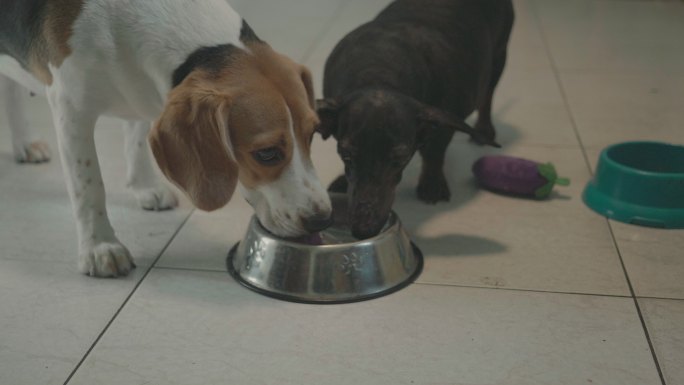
[(308, 85), (430, 116), (328, 112), (191, 144)]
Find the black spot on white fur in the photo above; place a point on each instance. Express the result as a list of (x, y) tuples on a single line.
[(212, 59)]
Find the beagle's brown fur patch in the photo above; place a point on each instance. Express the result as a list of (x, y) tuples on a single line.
[(51, 45), (289, 87)]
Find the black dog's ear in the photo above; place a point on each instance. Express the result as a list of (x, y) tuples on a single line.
[(328, 111), (431, 116)]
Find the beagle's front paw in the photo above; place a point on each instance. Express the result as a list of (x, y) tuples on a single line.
[(31, 152), (157, 198), (106, 260)]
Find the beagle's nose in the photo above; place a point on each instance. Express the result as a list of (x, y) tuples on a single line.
[(318, 222)]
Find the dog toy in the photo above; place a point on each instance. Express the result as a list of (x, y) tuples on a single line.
[(517, 176)]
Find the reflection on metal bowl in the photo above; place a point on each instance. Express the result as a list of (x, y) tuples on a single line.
[(342, 269)]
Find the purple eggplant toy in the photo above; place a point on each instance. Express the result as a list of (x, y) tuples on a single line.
[(517, 176)]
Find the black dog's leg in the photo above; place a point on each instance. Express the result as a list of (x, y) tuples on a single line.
[(432, 186), (484, 119), (339, 185)]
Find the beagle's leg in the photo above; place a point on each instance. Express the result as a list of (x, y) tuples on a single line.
[(148, 187), (100, 252), (28, 148)]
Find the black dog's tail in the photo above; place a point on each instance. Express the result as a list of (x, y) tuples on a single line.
[(442, 118)]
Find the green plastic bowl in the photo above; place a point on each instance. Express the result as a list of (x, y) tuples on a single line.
[(641, 183)]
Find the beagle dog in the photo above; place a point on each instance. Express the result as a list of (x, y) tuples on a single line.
[(229, 111)]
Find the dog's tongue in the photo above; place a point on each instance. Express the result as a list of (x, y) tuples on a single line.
[(311, 239)]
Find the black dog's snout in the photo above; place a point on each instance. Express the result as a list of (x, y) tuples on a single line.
[(364, 233), (317, 223)]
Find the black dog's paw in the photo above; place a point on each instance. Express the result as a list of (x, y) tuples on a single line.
[(433, 189), (484, 139), (339, 185), (485, 135)]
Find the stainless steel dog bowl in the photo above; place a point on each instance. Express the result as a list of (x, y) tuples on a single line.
[(341, 270)]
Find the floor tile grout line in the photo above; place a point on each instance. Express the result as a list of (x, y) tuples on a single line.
[(314, 44), (127, 299), (637, 306), (660, 298), (559, 83), (191, 269), (200, 270), (523, 290), (573, 121), (216, 271), (209, 270)]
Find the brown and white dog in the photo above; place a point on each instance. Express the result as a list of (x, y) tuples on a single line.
[(229, 111)]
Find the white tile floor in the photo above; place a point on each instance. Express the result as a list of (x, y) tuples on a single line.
[(513, 292)]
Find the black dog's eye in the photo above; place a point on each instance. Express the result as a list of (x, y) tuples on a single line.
[(269, 156), (401, 161), (346, 156)]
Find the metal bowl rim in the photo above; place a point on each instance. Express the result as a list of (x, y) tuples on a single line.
[(418, 254), (392, 225)]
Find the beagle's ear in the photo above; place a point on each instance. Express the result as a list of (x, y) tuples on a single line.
[(191, 144), (328, 112), (308, 85), (431, 117)]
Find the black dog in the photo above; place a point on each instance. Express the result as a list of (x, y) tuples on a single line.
[(405, 82)]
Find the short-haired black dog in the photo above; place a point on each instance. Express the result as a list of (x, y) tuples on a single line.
[(405, 82)]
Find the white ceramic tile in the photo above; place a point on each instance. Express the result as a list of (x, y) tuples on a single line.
[(614, 35), (50, 317), (653, 258), (526, 47), (615, 107), (202, 328), (205, 240), (484, 239), (665, 322), (536, 116)]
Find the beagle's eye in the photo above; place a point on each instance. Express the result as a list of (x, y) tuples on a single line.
[(269, 156)]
